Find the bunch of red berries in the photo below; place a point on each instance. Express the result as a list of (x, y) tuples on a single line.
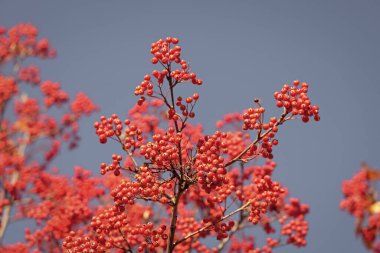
[(53, 93), (108, 127), (210, 162), (30, 74), (8, 88), (296, 101), (163, 152), (267, 194)]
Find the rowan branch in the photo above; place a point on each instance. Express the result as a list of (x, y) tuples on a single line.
[(211, 224), (281, 120)]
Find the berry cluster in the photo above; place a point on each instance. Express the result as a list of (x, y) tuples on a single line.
[(210, 163), (162, 52), (230, 119), (8, 88), (163, 152), (220, 228), (21, 41), (166, 52), (55, 219), (358, 197), (253, 118), (296, 231), (235, 143), (108, 127), (185, 109), (361, 201), (268, 193), (28, 108), (114, 166), (296, 101), (76, 243), (245, 244), (109, 219), (295, 208), (146, 87), (146, 187), (30, 74), (53, 93), (156, 238), (82, 104), (114, 229)]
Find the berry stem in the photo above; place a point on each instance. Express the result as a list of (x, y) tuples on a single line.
[(173, 222), (281, 120), (211, 224), (21, 150)]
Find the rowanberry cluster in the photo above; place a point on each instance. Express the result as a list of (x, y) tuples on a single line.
[(296, 101), (187, 224), (30, 74), (109, 219), (268, 193), (296, 231), (113, 126), (133, 136), (114, 166), (27, 109), (115, 229), (8, 88), (210, 163), (357, 195), (162, 52), (55, 147), (56, 218), (252, 118), (21, 40), (247, 192), (220, 228), (38, 126), (295, 208), (266, 169), (361, 201), (146, 87), (235, 143), (53, 93), (371, 231), (166, 52), (157, 238), (146, 187), (163, 152), (76, 243), (267, 140), (82, 104), (211, 200), (108, 127), (249, 244), (230, 119), (187, 109), (245, 244), (272, 242)]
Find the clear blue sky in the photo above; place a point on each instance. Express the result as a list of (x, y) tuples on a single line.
[(241, 49)]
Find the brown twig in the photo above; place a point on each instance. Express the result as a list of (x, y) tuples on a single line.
[(281, 120), (211, 224)]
